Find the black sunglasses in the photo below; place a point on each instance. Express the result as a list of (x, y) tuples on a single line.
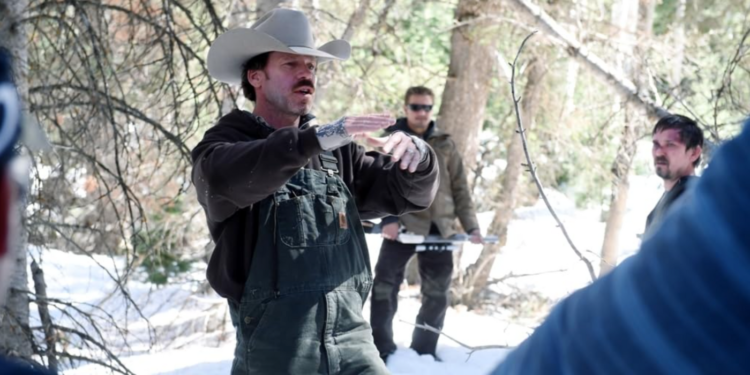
[(420, 107)]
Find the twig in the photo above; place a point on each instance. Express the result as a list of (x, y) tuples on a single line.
[(472, 349), (532, 168), (49, 333), (103, 347), (88, 316), (726, 81)]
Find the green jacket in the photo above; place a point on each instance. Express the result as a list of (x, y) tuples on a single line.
[(453, 199)]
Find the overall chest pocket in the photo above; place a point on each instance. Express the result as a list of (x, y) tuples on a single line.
[(312, 220)]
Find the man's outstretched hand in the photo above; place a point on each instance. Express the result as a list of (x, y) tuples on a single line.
[(402, 147), (367, 123), (409, 150)]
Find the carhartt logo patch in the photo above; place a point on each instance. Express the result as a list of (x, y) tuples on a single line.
[(343, 224)]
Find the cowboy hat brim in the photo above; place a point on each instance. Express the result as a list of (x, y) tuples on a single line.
[(233, 48)]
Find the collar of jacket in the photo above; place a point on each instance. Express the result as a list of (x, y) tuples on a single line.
[(402, 125), (685, 181), (255, 126)]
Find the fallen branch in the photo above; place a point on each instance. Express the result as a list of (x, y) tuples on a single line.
[(520, 275), (532, 169), (472, 349)]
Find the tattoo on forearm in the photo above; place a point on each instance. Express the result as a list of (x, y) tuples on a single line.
[(333, 135), (336, 128)]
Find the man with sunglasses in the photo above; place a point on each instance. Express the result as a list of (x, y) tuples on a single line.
[(453, 200)]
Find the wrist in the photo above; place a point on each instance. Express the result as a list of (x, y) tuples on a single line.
[(333, 135), (421, 147)]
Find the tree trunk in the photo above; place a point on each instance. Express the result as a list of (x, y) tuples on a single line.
[(572, 68), (356, 20), (478, 274), (618, 202), (233, 98), (310, 7), (632, 17), (468, 84), (14, 319), (328, 71), (679, 45), (571, 82)]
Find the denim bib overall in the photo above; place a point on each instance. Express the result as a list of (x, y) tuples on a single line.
[(301, 311)]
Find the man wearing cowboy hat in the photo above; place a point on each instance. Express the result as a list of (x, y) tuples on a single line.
[(283, 199)]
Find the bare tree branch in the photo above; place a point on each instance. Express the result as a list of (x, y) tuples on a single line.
[(130, 87), (356, 20), (726, 81), (595, 64), (472, 349), (532, 167), (102, 346)]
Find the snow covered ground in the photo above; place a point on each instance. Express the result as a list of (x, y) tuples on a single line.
[(175, 339)]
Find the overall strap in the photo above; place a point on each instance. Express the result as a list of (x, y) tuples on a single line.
[(329, 163)]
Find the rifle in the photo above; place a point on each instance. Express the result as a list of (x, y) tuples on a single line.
[(430, 242)]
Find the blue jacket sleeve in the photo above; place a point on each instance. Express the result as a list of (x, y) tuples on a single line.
[(680, 306)]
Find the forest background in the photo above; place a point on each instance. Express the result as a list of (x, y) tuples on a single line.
[(122, 91)]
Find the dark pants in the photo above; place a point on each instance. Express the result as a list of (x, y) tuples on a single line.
[(435, 270)]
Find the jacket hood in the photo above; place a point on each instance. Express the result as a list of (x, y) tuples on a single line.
[(252, 125), (241, 124)]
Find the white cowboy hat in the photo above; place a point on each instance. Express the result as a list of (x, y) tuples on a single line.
[(280, 30)]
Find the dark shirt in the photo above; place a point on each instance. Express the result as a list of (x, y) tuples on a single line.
[(665, 203), (242, 160)]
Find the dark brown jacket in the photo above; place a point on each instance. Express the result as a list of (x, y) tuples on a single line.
[(242, 160), (453, 199)]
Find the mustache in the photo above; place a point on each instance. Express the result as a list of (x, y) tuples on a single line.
[(661, 160), (304, 83)]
